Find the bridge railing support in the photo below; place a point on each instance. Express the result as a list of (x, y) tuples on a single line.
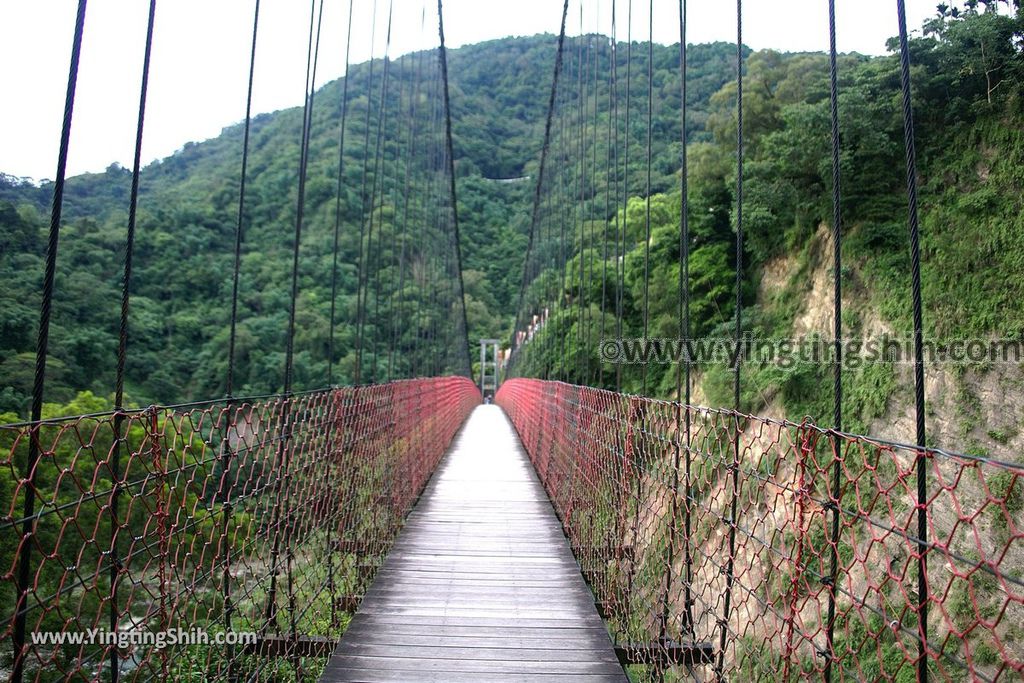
[(824, 566), (206, 492)]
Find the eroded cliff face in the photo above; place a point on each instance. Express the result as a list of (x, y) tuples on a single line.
[(974, 408)]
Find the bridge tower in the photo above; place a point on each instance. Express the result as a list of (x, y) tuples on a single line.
[(490, 367)]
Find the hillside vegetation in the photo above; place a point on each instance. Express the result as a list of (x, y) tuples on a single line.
[(968, 78), (187, 212), (968, 74)]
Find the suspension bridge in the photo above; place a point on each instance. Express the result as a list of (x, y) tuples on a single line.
[(393, 528)]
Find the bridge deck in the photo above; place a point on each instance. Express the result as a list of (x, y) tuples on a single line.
[(481, 585)]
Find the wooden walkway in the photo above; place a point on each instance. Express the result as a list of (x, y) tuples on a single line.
[(481, 585)]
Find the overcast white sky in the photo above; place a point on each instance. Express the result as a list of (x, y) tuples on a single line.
[(201, 51)]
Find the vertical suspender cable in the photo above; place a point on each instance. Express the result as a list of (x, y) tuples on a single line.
[(397, 233), (448, 301), (584, 298), (411, 159), (283, 449), (300, 202), (682, 447), (122, 345), (620, 251), (422, 318), (432, 188), (563, 251), (451, 179), (577, 205), (239, 225), (594, 61), (337, 197), (919, 405), (625, 173), (224, 491), (606, 217), (640, 415), (734, 466), (329, 450), (837, 333), (647, 192), (361, 260), (42, 348), (535, 214), (372, 260)]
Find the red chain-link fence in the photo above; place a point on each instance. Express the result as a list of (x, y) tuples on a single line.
[(724, 545), (265, 517)]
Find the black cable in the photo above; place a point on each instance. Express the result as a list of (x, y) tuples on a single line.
[(592, 61), (639, 416), (270, 615), (300, 202), (378, 270), (540, 179), (401, 167), (372, 258), (610, 189), (42, 349), (411, 141), (449, 298), (225, 452), (548, 265), (564, 252), (620, 251), (304, 162), (577, 205), (361, 264), (683, 387), (837, 326), (734, 494), (451, 178), (239, 227), (337, 197), (647, 218), (133, 201), (919, 403), (627, 134), (421, 327), (431, 188), (122, 344)]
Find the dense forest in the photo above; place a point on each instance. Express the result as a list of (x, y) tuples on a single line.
[(968, 89), (187, 213), (968, 73), (968, 79)]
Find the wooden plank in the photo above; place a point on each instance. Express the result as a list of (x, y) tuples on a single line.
[(384, 618), (481, 584), (535, 627), (510, 639), (461, 653), (537, 593), (382, 676), (417, 665)]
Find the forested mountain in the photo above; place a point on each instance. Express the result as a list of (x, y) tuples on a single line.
[(187, 213), (968, 82), (968, 76)]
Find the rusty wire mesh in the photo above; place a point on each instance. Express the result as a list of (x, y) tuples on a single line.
[(263, 516), (817, 577)]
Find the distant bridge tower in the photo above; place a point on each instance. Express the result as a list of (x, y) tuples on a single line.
[(490, 367)]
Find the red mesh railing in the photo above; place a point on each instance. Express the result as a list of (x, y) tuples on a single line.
[(267, 516), (756, 549)]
